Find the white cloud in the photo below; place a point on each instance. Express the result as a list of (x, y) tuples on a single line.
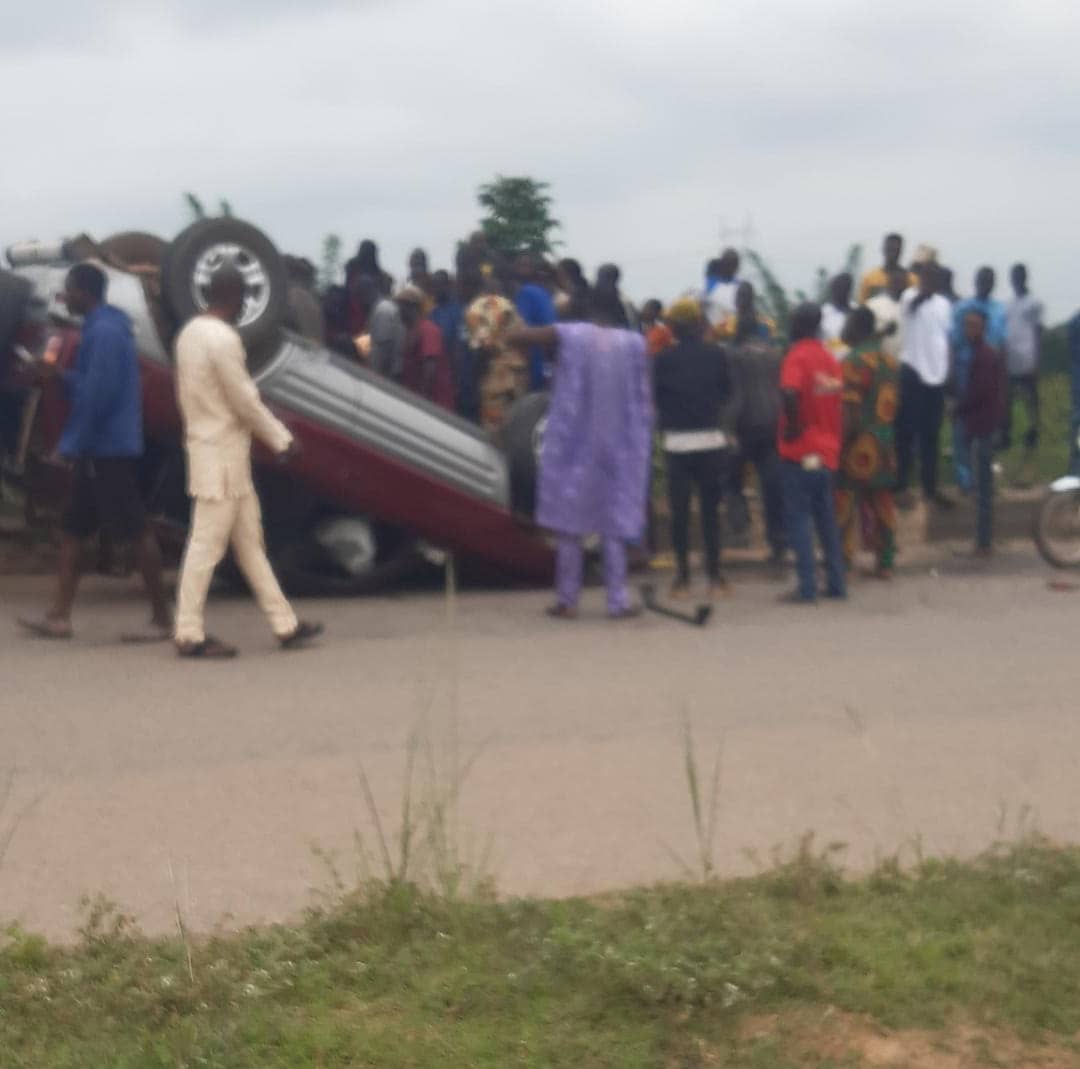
[(824, 121)]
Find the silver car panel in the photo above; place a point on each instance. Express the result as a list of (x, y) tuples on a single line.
[(376, 414)]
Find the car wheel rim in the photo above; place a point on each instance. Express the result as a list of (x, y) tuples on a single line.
[(256, 279)]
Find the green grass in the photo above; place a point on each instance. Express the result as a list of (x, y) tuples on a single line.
[(658, 977)]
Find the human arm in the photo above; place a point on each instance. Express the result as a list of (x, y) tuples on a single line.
[(525, 337), (789, 400), (791, 384), (242, 396)]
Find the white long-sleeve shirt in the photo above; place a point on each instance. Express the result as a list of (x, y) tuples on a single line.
[(924, 345), (221, 407)]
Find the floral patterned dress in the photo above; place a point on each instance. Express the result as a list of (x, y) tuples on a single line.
[(867, 476), (504, 372)]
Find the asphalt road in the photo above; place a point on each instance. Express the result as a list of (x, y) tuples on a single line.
[(941, 711)]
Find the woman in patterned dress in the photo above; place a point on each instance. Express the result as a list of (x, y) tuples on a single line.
[(868, 455), (503, 370)]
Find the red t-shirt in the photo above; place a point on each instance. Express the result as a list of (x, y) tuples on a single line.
[(813, 373), (424, 345)]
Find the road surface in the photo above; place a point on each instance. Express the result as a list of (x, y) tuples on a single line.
[(942, 709)]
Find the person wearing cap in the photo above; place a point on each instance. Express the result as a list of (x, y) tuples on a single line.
[(425, 363), (692, 385)]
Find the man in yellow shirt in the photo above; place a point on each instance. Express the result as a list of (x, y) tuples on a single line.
[(876, 280)]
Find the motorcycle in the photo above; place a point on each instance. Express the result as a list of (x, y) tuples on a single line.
[(1057, 522)]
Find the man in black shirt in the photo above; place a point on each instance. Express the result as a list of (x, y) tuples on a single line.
[(692, 385)]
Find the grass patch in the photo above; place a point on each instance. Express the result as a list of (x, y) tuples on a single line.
[(668, 976)]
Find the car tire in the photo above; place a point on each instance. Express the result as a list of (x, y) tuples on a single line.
[(134, 248), (522, 437), (14, 296), (191, 259)]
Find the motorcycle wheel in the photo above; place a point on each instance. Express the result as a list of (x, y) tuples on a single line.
[(1057, 528)]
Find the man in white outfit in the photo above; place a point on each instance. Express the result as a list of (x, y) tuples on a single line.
[(221, 408)]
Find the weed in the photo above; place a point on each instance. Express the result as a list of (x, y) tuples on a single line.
[(704, 808)]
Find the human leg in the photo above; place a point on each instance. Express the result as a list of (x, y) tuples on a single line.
[(615, 571), (710, 480), (211, 527), (733, 490), (983, 459), (81, 520), (797, 515), (933, 412), (1029, 396), (249, 549), (884, 510), (123, 517), (907, 422), (772, 495), (961, 457), (823, 506), (569, 571), (847, 517), (679, 488)]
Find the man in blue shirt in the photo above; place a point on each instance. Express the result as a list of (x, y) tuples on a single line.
[(993, 312), (103, 440), (536, 306)]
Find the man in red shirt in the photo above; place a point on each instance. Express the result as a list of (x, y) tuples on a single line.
[(426, 365), (809, 447)]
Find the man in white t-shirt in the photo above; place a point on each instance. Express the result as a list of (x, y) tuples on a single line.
[(222, 410), (721, 285), (925, 317), (1023, 341)]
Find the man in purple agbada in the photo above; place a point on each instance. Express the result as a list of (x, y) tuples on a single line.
[(597, 449)]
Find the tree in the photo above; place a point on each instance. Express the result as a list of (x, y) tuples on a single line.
[(777, 302), (518, 215)]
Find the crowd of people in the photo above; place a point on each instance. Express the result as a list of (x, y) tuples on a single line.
[(835, 415), (831, 411)]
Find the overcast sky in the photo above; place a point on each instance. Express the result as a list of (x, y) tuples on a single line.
[(658, 123)]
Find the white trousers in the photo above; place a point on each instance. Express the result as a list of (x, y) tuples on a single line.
[(214, 526)]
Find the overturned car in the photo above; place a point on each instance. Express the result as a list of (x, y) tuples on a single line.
[(383, 476)]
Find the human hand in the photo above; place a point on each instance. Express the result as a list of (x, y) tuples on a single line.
[(290, 452)]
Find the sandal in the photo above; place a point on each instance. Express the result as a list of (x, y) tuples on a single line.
[(210, 649), (47, 628), (303, 633)]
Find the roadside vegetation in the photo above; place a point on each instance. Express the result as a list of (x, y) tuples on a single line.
[(974, 962)]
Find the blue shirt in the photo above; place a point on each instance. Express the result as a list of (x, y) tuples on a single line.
[(449, 318), (535, 306), (997, 327), (104, 390)]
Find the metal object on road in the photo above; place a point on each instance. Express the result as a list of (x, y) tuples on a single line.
[(698, 618)]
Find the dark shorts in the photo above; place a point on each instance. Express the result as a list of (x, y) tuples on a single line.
[(105, 496)]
